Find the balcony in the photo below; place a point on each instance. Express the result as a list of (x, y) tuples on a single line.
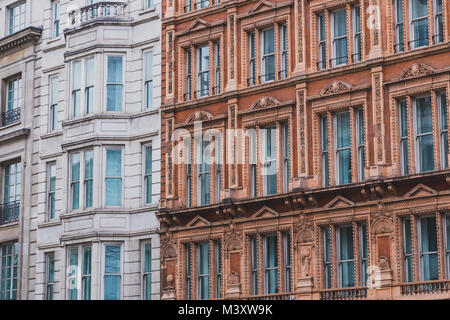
[(9, 212), (9, 117), (429, 287), (355, 293), (100, 11)]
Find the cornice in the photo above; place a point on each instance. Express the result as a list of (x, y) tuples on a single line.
[(27, 36), (14, 135)]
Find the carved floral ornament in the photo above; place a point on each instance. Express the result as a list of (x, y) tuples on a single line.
[(336, 87), (169, 252), (417, 70), (199, 116), (264, 102)]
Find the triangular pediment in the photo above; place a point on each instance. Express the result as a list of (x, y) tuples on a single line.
[(265, 212), (339, 202), (420, 190), (198, 24), (199, 221), (261, 5)]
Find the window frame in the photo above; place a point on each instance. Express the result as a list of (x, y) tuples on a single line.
[(263, 78), (442, 106), (144, 273), (412, 21), (200, 92), (79, 271), (267, 268), (334, 39), (268, 162), (402, 106), (49, 281), (321, 42), (399, 26), (14, 254), (216, 89), (122, 177), (201, 147), (421, 253), (417, 136), (53, 104), (51, 194), (339, 260), (337, 150), (82, 199), (360, 143), (251, 80), (103, 266), (284, 51), (254, 265), (407, 277), (285, 149), (148, 81), (357, 35), (12, 16), (122, 56), (199, 275), (56, 20), (147, 175), (188, 74)]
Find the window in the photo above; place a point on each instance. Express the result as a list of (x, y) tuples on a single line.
[(424, 134), (327, 271), (343, 148), (321, 36), (339, 38), (114, 86), (17, 17), (89, 85), (270, 264), (148, 174), (113, 180), (363, 254), (325, 154), (407, 251), (285, 152), (147, 270), (112, 275), (148, 4), (360, 145), (216, 88), (9, 253), (201, 4), (12, 182), (202, 72), (267, 55), (356, 12), (13, 102), (438, 36), (80, 160), (252, 59), (404, 149), (204, 173), (203, 270), (76, 88), (443, 127), (287, 262), (218, 168), (447, 243), (187, 271), (51, 190), (419, 23), (399, 27), (187, 7), (428, 249), (253, 158), (187, 95), (269, 148), (188, 175), (284, 52), (346, 257), (80, 259), (53, 103), (218, 267), (148, 79), (254, 265), (56, 19), (50, 276)]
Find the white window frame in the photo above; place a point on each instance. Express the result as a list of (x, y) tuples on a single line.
[(103, 265), (420, 252), (81, 181), (416, 136), (108, 55), (263, 72), (266, 162), (49, 191), (400, 43), (412, 35), (333, 40), (436, 15), (148, 104), (22, 7), (79, 273), (53, 105), (199, 91), (56, 25), (442, 131), (339, 262), (114, 147), (47, 275), (200, 276), (145, 175), (357, 56), (143, 272), (13, 243)]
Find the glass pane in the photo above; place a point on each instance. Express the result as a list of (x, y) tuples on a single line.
[(348, 278), (429, 248), (346, 243), (147, 257), (113, 192), (204, 58), (148, 287), (112, 287), (115, 70), (269, 43), (419, 8), (114, 97), (343, 130), (426, 153), (87, 288), (90, 72), (148, 160), (112, 259), (76, 85), (148, 66), (114, 163), (340, 23), (272, 257), (420, 28)]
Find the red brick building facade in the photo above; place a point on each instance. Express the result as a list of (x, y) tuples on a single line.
[(339, 187)]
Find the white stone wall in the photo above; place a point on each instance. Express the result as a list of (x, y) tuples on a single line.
[(133, 128)]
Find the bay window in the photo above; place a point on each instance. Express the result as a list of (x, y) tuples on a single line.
[(148, 79), (343, 148), (17, 15), (113, 177), (112, 277), (418, 23), (202, 71), (339, 38), (269, 172), (147, 270), (82, 179), (443, 128), (399, 45), (424, 134), (267, 55), (203, 270), (9, 253), (114, 86), (79, 273)]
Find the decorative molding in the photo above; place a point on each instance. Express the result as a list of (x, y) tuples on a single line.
[(261, 4), (336, 87), (29, 35), (264, 102), (199, 116), (197, 22), (338, 202), (264, 211), (420, 190), (417, 70), (198, 221)]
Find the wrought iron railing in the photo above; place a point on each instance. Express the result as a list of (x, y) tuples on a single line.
[(99, 10), (429, 287), (399, 47), (338, 61), (9, 212), (418, 43), (10, 117), (355, 293)]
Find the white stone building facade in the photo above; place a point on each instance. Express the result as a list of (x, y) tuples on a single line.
[(87, 145)]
